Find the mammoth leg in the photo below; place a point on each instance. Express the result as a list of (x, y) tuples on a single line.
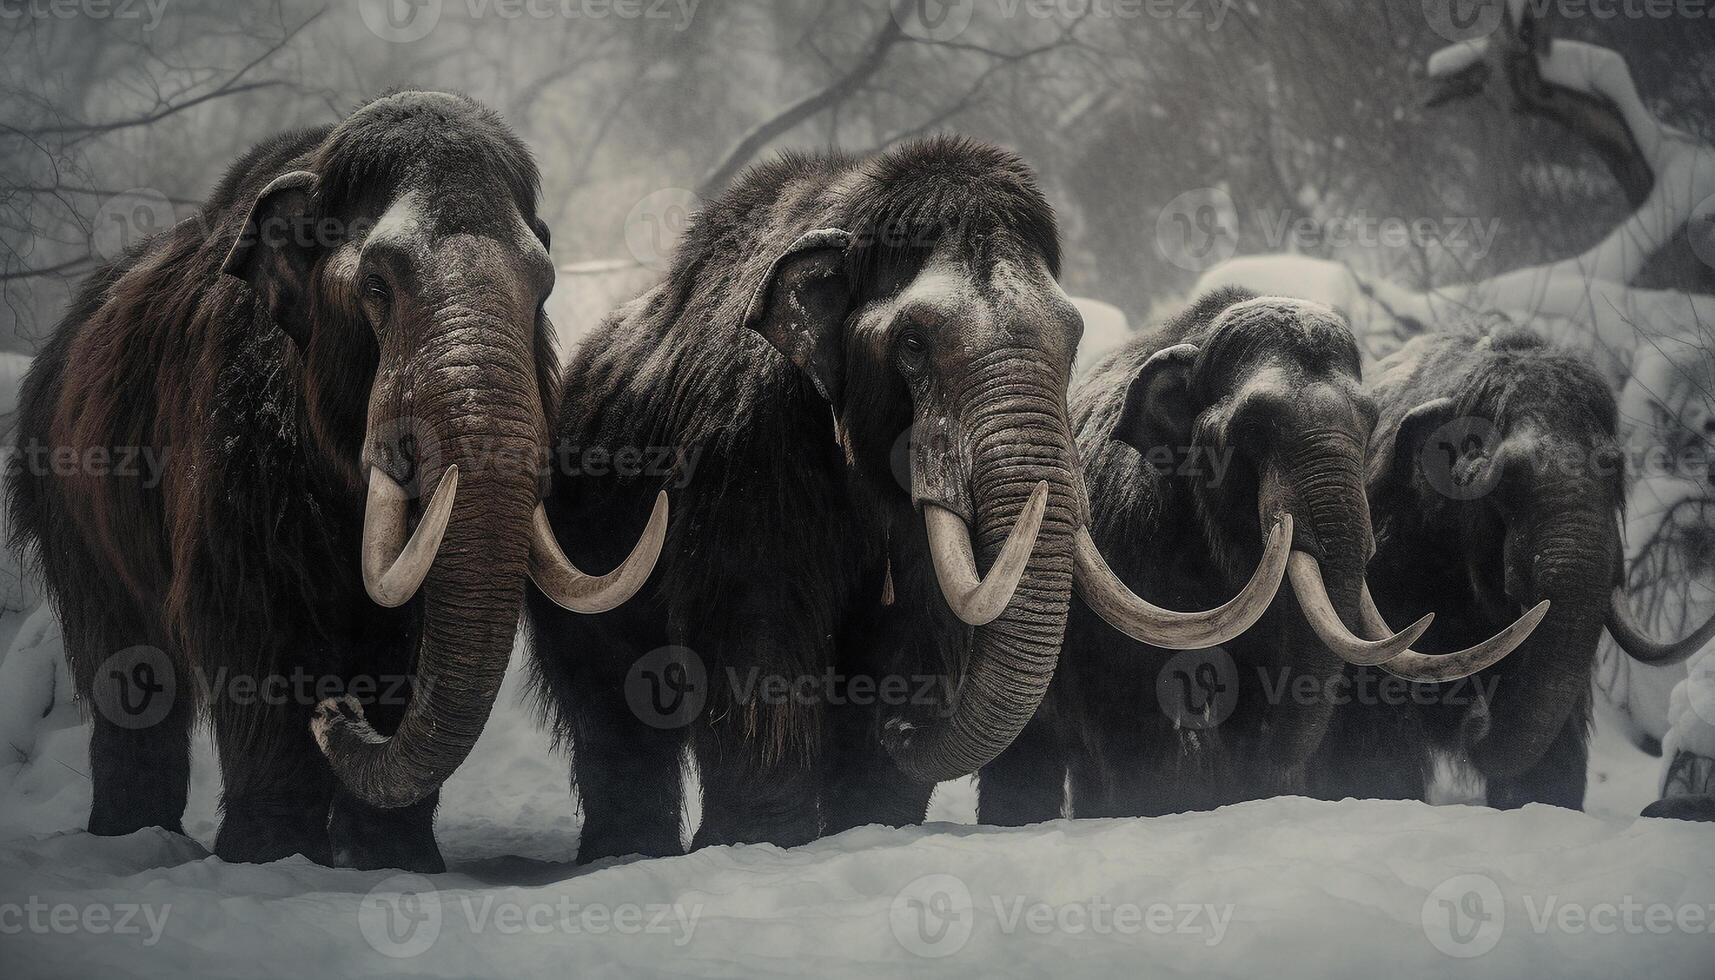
[(1558, 778), (1373, 750), (629, 776), (860, 784), (369, 837), (758, 742), (884, 674), (1108, 779), (276, 784), (1026, 783), (143, 705), (627, 770), (752, 795)]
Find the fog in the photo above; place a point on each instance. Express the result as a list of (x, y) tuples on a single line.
[(1168, 135)]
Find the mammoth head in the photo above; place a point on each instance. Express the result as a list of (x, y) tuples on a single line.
[(1511, 449), (923, 311), (1260, 385), (907, 347), (1258, 415), (405, 261), (923, 308)]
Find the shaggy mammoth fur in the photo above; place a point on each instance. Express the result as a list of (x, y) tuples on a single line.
[(841, 347), (1194, 437), (266, 354), (1497, 482)]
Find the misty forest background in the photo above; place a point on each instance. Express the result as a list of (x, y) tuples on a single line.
[(1295, 109)]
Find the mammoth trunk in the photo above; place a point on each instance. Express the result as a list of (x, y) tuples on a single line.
[(1566, 558), (1322, 477), (470, 599), (1018, 439)]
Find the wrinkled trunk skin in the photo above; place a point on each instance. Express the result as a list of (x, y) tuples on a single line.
[(1542, 690), (1325, 491), (1016, 430), (471, 599)]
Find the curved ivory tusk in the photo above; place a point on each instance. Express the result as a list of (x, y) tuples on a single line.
[(977, 601), (581, 592), (1313, 598), (1630, 635), (393, 568), (1103, 592), (1437, 667)]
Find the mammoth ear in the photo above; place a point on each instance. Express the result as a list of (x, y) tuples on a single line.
[(274, 255), (1157, 410), (800, 304), (1395, 452)]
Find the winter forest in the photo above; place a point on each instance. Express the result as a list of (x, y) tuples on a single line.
[(1002, 458)]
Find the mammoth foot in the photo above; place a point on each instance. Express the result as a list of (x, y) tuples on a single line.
[(111, 822), (251, 837), (597, 846), (371, 839)]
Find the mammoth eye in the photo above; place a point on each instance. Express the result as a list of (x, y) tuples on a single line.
[(375, 288), (913, 343)]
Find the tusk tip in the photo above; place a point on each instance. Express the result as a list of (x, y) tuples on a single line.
[(1282, 529), (1529, 621), (1037, 505), (1417, 629)]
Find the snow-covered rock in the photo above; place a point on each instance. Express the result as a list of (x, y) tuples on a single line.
[(1665, 409)]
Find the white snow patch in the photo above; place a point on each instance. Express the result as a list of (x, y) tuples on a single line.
[(1291, 886)]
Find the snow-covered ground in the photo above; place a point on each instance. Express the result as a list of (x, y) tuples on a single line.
[(1286, 887)]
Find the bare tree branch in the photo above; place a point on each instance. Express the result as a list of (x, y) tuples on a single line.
[(751, 143)]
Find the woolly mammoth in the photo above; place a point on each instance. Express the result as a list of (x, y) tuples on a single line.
[(1230, 437), (307, 371), (1497, 483), (860, 367)]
